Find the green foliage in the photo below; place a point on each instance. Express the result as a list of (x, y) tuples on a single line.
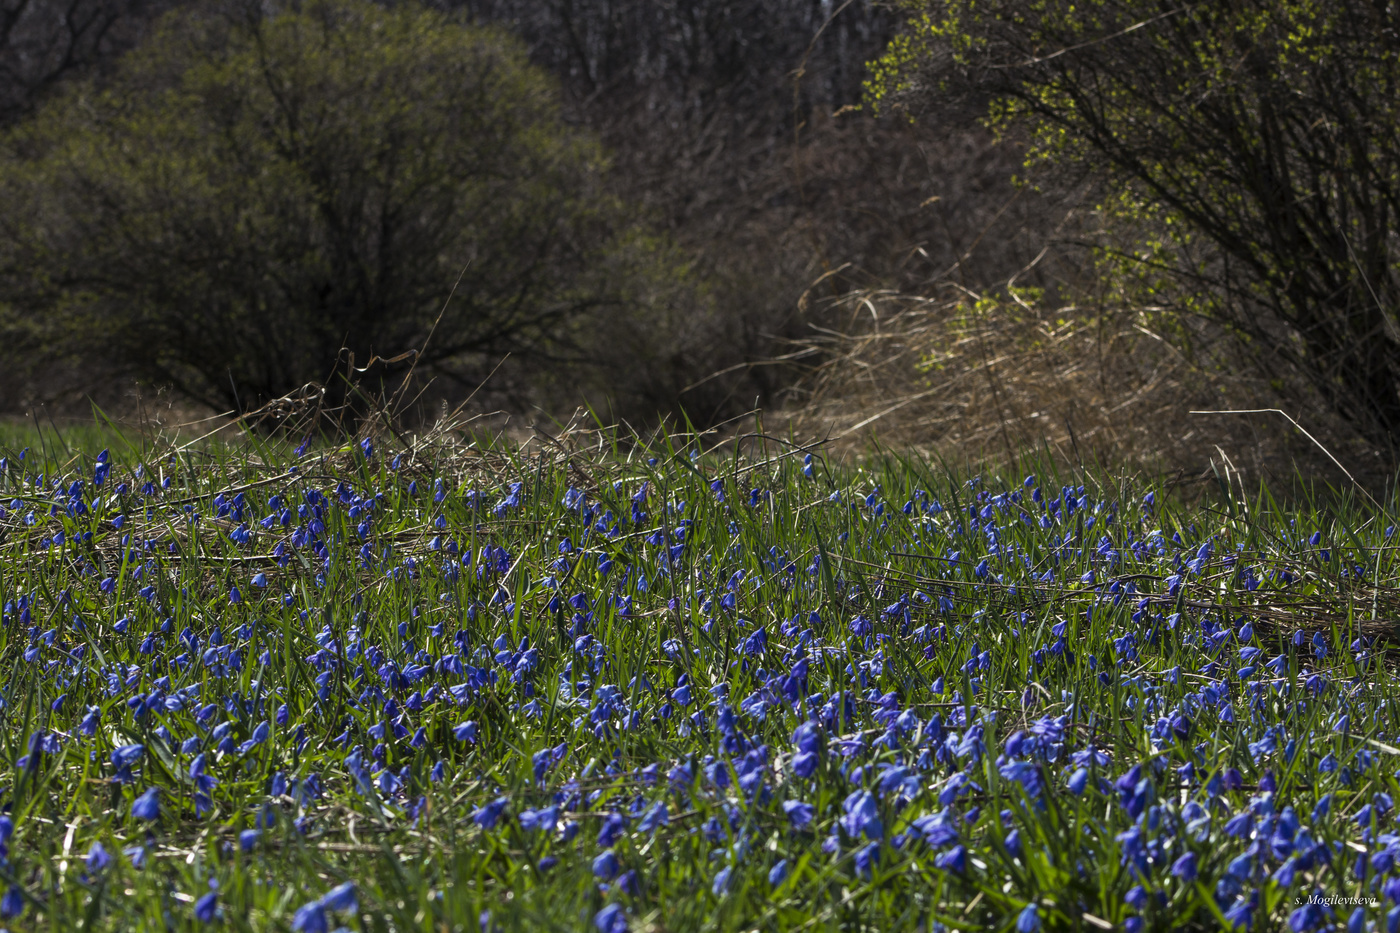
[(1248, 155), (248, 195)]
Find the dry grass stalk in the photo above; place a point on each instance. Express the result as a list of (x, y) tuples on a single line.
[(979, 377)]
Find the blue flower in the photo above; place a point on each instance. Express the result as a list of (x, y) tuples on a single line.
[(613, 828), (605, 865), (866, 858), (804, 764), (12, 904), (202, 781), (778, 873), (862, 815), (656, 817), (486, 817), (799, 814), (1241, 916), (1305, 918), (954, 860), (1028, 920), (207, 907), (611, 919), (721, 883), (1185, 867), (540, 820), (125, 756), (1240, 825), (147, 806), (98, 858), (342, 898), (310, 918)]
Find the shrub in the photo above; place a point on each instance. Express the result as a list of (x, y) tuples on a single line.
[(1251, 147), (250, 193)]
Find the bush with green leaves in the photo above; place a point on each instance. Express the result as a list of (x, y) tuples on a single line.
[(249, 193), (1247, 155)]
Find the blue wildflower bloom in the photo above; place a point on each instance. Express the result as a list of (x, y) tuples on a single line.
[(953, 860), (866, 858), (862, 815), (799, 814), (123, 757), (487, 816), (206, 909), (611, 919), (605, 865), (540, 820), (778, 873), (613, 828), (97, 858), (147, 806), (654, 818), (1305, 918), (1240, 825), (720, 885), (342, 899), (12, 904), (1240, 916), (310, 918)]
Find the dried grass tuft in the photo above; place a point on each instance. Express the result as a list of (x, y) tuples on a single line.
[(975, 377)]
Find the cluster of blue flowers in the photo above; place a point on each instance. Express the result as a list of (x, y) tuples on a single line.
[(1053, 706)]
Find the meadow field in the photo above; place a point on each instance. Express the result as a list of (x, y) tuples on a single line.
[(442, 682)]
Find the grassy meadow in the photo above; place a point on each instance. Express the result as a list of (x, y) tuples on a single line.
[(441, 684)]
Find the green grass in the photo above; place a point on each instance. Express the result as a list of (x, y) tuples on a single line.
[(134, 632)]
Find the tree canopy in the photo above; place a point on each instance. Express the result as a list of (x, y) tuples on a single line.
[(1254, 144)]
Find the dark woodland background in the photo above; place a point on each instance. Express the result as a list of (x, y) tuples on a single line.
[(732, 127), (739, 213)]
